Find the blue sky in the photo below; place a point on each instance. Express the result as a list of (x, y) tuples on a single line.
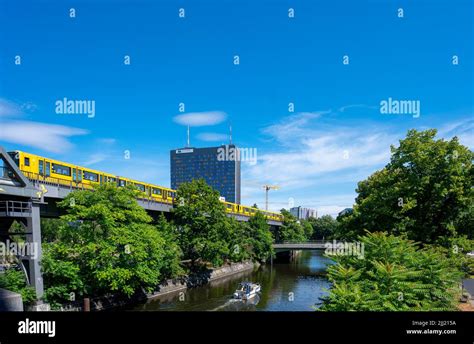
[(336, 135)]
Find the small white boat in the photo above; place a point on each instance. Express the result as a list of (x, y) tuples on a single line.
[(247, 290)]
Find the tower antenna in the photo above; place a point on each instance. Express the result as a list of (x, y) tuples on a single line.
[(188, 138)]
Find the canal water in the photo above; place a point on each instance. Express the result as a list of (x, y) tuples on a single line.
[(286, 286)]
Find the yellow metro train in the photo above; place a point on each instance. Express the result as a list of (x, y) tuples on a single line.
[(48, 170)]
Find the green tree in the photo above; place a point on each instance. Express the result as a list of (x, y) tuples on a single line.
[(260, 237), (425, 191), (291, 230), (238, 240), (324, 227), (392, 275), (172, 255), (14, 280), (456, 249), (202, 224), (106, 243), (307, 229)]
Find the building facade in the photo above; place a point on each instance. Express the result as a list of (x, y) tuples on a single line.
[(218, 166), (303, 213)]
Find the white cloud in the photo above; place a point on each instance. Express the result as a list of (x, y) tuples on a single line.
[(361, 106), (48, 137), (311, 154), (316, 153), (292, 127), (463, 129), (213, 137), (8, 108), (94, 159), (198, 119)]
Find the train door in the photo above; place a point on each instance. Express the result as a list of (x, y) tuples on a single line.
[(44, 168), (47, 169), (164, 195), (76, 175), (41, 167), (79, 175)]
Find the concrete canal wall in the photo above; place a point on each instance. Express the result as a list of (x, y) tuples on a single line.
[(169, 286)]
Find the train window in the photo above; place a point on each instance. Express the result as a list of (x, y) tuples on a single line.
[(93, 177), (111, 179), (140, 187), (229, 206), (122, 182), (79, 175), (41, 167), (48, 169), (61, 169), (73, 174), (27, 161), (156, 191)]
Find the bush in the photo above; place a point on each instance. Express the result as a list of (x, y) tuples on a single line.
[(106, 244), (15, 281), (394, 275)]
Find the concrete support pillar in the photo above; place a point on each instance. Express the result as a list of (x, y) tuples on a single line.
[(33, 238)]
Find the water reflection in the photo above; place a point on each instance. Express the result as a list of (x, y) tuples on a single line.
[(294, 286)]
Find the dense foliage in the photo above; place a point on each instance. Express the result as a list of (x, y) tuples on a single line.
[(15, 281), (206, 234), (104, 244), (202, 225), (426, 191), (260, 237), (293, 229), (324, 227), (393, 275)]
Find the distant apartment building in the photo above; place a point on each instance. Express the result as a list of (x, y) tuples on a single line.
[(303, 213), (218, 166)]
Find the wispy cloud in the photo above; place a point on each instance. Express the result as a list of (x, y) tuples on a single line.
[(319, 159), (463, 129), (107, 141), (310, 152), (8, 108), (292, 127), (199, 119), (48, 137), (95, 159), (361, 106), (213, 137), (315, 150)]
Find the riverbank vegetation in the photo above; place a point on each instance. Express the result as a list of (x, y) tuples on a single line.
[(394, 274), (416, 219), (105, 243), (14, 280)]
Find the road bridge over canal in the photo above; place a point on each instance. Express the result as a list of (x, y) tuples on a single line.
[(293, 246)]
